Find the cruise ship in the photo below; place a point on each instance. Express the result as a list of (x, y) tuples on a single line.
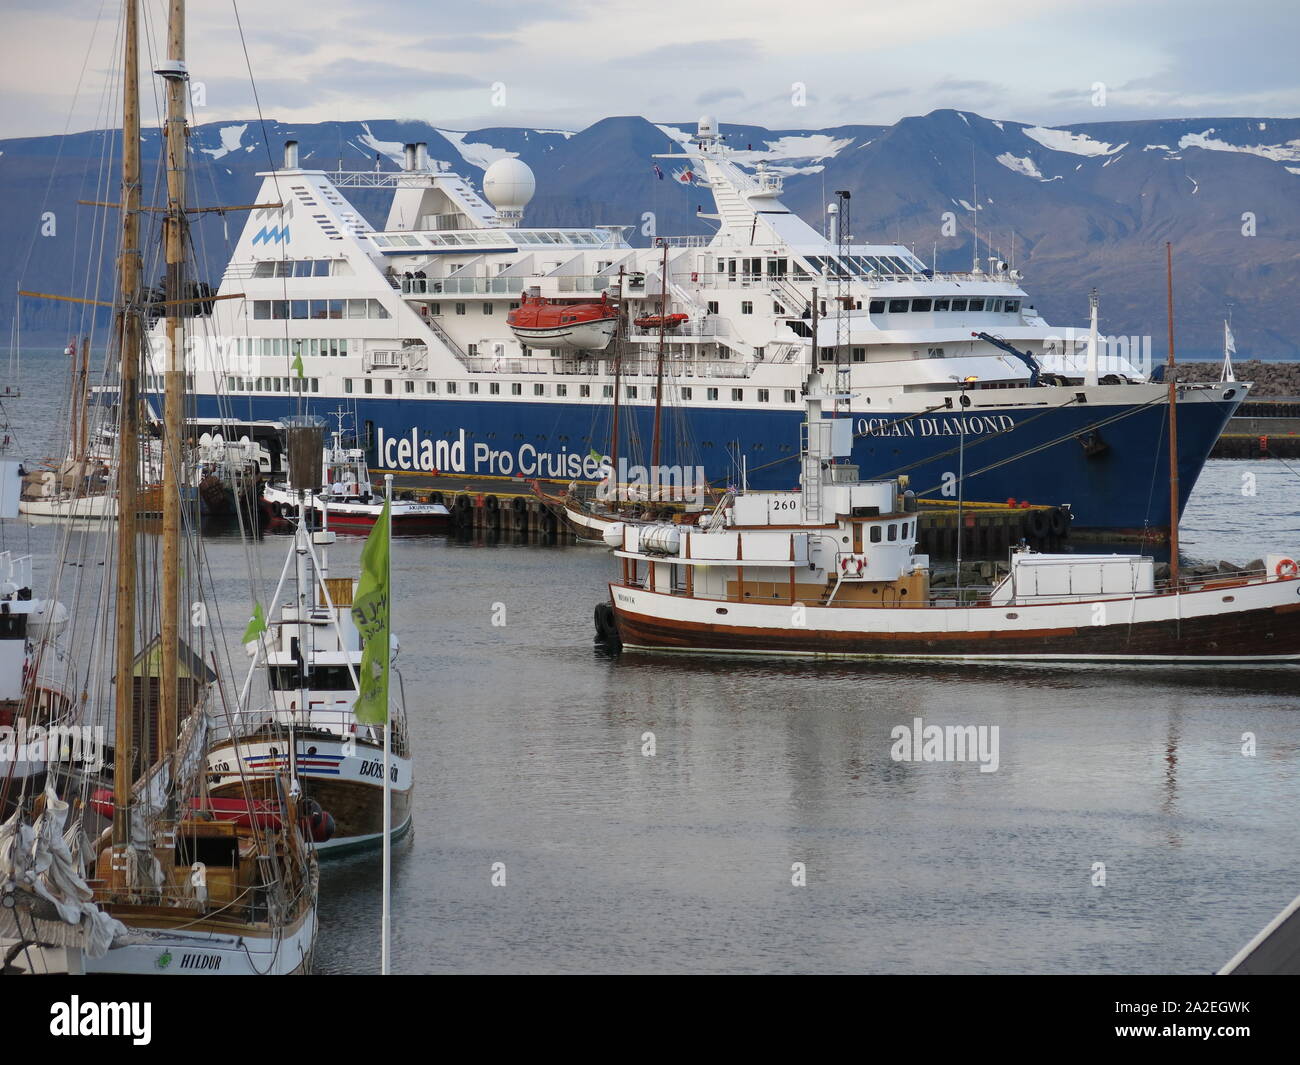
[(953, 379)]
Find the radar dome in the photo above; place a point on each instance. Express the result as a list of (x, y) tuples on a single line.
[(509, 184)]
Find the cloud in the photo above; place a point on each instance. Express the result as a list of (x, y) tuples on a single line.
[(710, 54), (715, 96)]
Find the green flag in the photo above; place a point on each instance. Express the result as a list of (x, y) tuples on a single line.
[(594, 454), (256, 624), (370, 611), (297, 364)]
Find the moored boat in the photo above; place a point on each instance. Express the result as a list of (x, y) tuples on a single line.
[(831, 571), (309, 729)]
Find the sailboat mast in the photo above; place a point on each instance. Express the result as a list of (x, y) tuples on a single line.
[(173, 459), (1173, 422), (659, 370), (130, 284), (618, 363)]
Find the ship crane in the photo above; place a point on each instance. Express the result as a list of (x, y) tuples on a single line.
[(1023, 356)]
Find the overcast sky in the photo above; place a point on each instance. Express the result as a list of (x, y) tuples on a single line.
[(565, 63)]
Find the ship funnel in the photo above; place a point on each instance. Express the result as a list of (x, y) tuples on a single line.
[(421, 155), (291, 155), (305, 446), (408, 151)]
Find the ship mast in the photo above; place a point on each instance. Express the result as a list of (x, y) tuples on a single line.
[(659, 367), (130, 291), (1173, 423), (618, 364), (173, 458)]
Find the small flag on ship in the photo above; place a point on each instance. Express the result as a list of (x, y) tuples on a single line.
[(658, 172), (297, 364)]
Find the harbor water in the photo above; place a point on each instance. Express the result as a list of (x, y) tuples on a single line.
[(577, 812)]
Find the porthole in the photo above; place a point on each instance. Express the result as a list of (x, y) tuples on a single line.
[(721, 610), (1229, 598), (1013, 617)]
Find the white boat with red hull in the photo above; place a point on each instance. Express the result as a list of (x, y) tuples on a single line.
[(831, 571)]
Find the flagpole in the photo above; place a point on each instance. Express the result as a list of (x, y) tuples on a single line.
[(386, 921)]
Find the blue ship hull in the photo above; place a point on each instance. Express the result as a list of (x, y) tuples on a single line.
[(1110, 463)]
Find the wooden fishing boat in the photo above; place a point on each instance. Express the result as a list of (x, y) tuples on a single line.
[(831, 571)]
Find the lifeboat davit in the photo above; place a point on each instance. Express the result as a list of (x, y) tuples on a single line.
[(541, 323), (667, 321)]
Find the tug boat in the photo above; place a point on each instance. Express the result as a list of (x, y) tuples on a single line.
[(831, 571), (545, 324), (350, 497)]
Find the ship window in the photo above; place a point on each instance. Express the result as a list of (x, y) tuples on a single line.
[(763, 395), (859, 354), (431, 386), (893, 532), (974, 305), (410, 386), (1011, 306), (921, 305), (607, 391), (561, 390), (494, 388), (875, 534), (876, 307), (746, 306), (789, 395), (687, 393), (388, 388), (713, 307), (897, 306), (370, 386), (435, 309), (941, 305), (347, 385), (737, 395), (487, 308), (451, 388), (539, 390), (460, 308), (994, 305), (958, 305), (584, 391), (712, 393), (315, 384), (631, 391), (516, 389)]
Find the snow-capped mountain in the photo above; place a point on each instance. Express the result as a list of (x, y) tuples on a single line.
[(1077, 207)]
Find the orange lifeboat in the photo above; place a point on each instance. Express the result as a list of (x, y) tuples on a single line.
[(667, 321), (545, 324)]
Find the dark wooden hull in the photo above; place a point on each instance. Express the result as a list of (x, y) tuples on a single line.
[(1252, 635), (357, 808)]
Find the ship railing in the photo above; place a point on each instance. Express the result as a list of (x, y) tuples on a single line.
[(580, 282), (693, 240), (460, 286), (709, 326)]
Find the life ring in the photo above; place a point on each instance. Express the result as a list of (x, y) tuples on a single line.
[(1286, 568), (844, 564), (862, 564)]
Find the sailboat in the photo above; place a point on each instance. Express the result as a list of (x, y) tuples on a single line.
[(176, 881), (313, 651)]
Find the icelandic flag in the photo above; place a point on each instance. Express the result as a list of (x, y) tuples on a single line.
[(658, 172)]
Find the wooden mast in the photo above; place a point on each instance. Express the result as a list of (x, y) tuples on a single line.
[(659, 369), (618, 362), (173, 450), (1173, 422), (130, 285)]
